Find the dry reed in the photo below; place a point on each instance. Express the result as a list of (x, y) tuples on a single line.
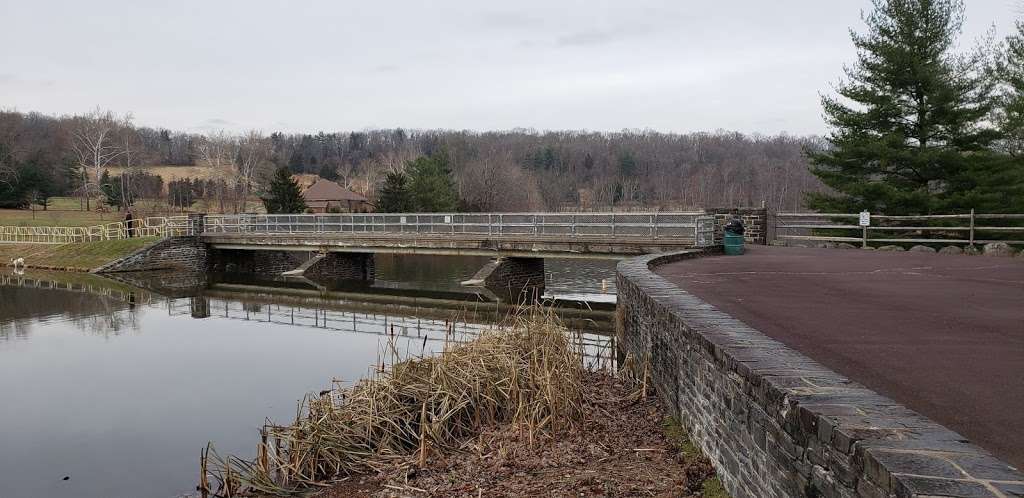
[(527, 372)]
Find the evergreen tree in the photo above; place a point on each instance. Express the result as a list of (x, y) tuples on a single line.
[(295, 163), (907, 134), (1010, 115), (285, 195), (431, 185), (999, 182), (395, 195), (627, 164), (328, 172), (110, 187)]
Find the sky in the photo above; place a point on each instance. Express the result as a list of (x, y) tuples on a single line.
[(753, 66)]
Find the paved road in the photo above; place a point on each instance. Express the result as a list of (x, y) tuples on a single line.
[(943, 335)]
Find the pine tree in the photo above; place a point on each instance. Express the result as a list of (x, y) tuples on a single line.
[(284, 196), (1010, 115), (999, 182), (395, 196), (907, 134), (328, 172), (430, 182)]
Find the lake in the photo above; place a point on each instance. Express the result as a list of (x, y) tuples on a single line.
[(117, 388)]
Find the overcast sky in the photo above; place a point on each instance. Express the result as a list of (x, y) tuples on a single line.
[(673, 65)]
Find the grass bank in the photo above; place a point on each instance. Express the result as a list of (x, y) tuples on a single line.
[(512, 413), (72, 257)]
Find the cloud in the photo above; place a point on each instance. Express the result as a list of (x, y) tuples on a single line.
[(13, 80), (509, 20), (592, 37), (215, 124), (386, 68)]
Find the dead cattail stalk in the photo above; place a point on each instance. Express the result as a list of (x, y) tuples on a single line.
[(527, 372)]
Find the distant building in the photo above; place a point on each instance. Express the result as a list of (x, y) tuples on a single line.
[(325, 196)]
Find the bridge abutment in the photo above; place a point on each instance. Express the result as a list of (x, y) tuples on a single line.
[(511, 279), (346, 266)]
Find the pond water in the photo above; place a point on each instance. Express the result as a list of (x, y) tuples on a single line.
[(111, 390)]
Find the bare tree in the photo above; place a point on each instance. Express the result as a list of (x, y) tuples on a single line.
[(497, 183), (95, 145), (236, 160)]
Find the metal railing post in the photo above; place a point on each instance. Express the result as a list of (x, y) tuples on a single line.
[(972, 227)]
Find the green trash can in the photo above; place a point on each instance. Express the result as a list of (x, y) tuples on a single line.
[(733, 244)]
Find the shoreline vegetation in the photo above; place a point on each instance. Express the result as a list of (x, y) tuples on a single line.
[(512, 412), (74, 257)]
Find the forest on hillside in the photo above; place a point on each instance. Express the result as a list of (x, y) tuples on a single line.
[(43, 156)]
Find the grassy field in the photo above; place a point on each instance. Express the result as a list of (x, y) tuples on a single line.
[(76, 257), (26, 218), (65, 212), (171, 173)]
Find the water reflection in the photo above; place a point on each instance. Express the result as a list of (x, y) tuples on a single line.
[(118, 383)]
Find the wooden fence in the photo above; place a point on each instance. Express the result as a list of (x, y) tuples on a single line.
[(969, 228), (143, 227)]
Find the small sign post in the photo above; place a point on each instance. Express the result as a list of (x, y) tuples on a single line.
[(865, 222)]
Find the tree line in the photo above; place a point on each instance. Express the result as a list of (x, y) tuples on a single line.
[(513, 170)]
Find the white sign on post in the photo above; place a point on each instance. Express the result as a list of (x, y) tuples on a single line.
[(865, 219), (447, 219)]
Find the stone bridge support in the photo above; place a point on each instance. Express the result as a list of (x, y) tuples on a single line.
[(344, 266), (511, 279)]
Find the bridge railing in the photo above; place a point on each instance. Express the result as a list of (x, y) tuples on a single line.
[(694, 228), (156, 226), (870, 228)]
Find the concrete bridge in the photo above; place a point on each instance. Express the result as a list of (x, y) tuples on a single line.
[(341, 246)]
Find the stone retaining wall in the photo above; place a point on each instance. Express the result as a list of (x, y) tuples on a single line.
[(777, 424), (173, 253)]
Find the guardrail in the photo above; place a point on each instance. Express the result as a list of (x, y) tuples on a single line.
[(694, 228), (156, 226), (970, 228)]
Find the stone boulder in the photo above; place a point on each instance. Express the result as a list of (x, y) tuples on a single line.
[(972, 250), (844, 245), (826, 245), (1000, 249), (951, 250), (920, 248), (891, 248)]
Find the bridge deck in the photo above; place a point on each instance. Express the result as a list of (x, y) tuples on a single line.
[(597, 247)]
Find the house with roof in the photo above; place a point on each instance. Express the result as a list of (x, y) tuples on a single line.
[(326, 196)]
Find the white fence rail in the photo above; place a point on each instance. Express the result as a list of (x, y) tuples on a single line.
[(142, 227), (695, 228), (970, 228)]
